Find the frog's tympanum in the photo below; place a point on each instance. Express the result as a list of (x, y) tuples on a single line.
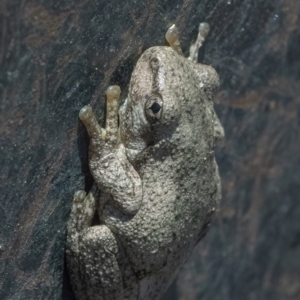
[(156, 178)]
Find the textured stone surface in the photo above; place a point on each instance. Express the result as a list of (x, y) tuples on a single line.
[(57, 56)]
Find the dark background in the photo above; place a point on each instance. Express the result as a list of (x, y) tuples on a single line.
[(57, 56)]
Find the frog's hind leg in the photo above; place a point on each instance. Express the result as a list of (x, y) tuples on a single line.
[(100, 269), (108, 274), (96, 262), (82, 213), (91, 253)]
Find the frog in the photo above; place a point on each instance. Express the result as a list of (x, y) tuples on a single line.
[(156, 180)]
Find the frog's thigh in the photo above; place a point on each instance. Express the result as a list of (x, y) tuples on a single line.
[(99, 266)]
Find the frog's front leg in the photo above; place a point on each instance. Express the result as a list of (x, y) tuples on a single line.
[(97, 264), (109, 165)]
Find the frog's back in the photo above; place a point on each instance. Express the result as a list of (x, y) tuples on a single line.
[(176, 207), (180, 180)]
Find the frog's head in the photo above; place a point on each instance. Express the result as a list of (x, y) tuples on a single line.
[(170, 102)]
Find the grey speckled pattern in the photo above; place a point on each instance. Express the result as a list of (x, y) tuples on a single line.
[(158, 179)]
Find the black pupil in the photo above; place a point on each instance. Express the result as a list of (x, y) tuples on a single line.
[(155, 107)]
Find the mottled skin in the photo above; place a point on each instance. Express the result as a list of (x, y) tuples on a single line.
[(158, 179)]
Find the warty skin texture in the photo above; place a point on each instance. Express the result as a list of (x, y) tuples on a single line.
[(158, 179)]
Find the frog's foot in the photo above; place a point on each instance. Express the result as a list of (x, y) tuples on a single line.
[(202, 34), (108, 163), (172, 37), (102, 139), (82, 213), (83, 210), (99, 266), (96, 133)]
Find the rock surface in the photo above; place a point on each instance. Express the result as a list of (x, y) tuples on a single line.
[(57, 56)]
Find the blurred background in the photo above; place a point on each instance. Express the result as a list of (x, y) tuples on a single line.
[(57, 56)]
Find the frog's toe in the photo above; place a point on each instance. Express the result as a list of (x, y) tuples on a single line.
[(82, 212), (202, 34), (112, 109), (113, 92), (85, 113), (172, 37), (79, 196)]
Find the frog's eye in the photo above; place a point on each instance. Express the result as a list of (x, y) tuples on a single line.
[(153, 107)]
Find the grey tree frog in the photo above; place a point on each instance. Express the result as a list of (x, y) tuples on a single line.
[(156, 178)]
